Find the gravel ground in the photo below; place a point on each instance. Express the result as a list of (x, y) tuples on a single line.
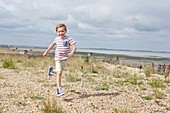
[(25, 90)]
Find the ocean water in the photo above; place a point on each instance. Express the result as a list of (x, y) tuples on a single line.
[(135, 53)]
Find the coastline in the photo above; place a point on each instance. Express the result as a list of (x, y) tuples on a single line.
[(132, 53), (114, 52), (130, 57)]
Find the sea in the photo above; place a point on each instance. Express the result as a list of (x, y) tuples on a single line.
[(162, 57), (133, 53), (143, 56)]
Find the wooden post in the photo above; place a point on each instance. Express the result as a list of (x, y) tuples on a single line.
[(117, 60), (153, 68), (159, 68)]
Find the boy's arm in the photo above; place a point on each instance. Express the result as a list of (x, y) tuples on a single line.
[(73, 50), (49, 48)]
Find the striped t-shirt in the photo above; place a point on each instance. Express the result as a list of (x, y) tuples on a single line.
[(63, 47)]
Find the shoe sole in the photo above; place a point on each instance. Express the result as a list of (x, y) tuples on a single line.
[(49, 71), (60, 94)]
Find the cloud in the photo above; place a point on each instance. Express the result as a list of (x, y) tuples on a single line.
[(113, 20)]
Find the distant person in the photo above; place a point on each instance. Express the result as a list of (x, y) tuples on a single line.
[(62, 53)]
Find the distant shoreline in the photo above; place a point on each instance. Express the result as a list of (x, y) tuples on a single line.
[(103, 49), (131, 60), (107, 53)]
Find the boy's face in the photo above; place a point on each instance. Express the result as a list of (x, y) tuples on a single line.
[(61, 32)]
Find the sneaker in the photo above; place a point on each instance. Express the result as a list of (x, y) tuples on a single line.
[(59, 92), (50, 71)]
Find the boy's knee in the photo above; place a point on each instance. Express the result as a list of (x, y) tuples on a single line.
[(59, 73)]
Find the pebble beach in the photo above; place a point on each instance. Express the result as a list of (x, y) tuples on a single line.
[(90, 87)]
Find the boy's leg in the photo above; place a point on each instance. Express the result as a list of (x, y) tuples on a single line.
[(59, 73), (59, 68), (59, 90)]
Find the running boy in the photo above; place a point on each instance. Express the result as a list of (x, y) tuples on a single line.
[(62, 53)]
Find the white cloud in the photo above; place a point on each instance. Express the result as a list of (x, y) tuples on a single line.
[(114, 20)]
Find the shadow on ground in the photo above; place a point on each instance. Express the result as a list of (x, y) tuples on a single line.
[(86, 95)]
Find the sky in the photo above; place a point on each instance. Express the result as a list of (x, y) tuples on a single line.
[(110, 24)]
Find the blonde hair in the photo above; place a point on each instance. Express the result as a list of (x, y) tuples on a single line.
[(61, 25)]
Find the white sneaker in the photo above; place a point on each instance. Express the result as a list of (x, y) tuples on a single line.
[(59, 92)]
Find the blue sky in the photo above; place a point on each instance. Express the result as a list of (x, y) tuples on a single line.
[(112, 24)]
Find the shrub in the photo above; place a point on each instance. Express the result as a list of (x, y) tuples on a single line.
[(157, 83), (86, 59), (132, 80), (8, 63), (148, 71)]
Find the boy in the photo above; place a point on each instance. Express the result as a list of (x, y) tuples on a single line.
[(62, 53)]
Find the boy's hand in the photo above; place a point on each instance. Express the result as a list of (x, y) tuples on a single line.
[(44, 54), (70, 54), (73, 50)]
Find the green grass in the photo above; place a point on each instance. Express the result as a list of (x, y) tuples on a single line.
[(32, 95), (8, 63), (103, 86), (131, 80), (51, 106), (100, 87), (158, 94), (148, 71), (1, 77), (157, 83), (72, 79), (36, 97), (90, 79), (117, 73), (142, 87), (122, 110), (53, 85), (134, 80), (21, 104), (2, 110), (148, 97)]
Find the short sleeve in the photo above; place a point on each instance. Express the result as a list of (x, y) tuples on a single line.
[(55, 41), (71, 41)]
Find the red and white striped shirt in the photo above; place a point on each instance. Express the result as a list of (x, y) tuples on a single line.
[(63, 47)]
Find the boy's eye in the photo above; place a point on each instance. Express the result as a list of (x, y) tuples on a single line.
[(61, 31)]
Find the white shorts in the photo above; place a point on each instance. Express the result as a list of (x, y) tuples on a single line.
[(60, 64)]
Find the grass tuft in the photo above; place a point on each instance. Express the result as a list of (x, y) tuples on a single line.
[(157, 83), (148, 97), (8, 63), (51, 107), (72, 79), (158, 94), (121, 110)]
